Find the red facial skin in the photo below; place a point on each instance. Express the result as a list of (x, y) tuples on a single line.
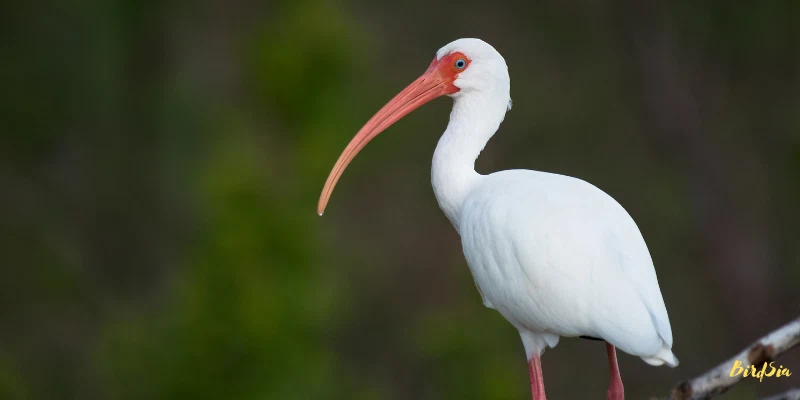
[(437, 81), (447, 70)]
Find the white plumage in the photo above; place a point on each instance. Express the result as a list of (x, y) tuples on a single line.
[(558, 257), (555, 255)]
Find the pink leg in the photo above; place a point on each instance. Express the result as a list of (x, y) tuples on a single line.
[(615, 390), (537, 382)]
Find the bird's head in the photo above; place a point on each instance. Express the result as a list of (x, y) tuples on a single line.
[(484, 68), (460, 68)]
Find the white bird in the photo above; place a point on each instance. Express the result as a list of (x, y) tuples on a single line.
[(555, 255)]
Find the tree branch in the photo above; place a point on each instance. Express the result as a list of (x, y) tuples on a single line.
[(718, 380), (793, 394)]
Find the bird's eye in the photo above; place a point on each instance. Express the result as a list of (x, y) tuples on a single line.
[(460, 63)]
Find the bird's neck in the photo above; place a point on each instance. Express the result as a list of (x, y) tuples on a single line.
[(473, 121)]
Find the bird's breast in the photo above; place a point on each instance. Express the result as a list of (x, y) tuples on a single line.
[(524, 284)]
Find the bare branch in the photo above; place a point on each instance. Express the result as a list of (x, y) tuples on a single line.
[(718, 380), (793, 394)]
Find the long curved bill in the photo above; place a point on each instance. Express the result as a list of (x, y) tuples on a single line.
[(426, 88)]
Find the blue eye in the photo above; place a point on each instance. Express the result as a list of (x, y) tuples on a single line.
[(460, 64)]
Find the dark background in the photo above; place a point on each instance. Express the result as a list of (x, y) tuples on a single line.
[(161, 163)]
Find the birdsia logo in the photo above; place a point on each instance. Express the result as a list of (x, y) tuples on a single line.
[(767, 370)]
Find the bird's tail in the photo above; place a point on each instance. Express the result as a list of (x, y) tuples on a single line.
[(664, 356)]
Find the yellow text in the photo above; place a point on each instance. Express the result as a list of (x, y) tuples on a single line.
[(753, 372)]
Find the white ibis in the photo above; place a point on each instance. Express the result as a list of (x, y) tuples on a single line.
[(555, 255)]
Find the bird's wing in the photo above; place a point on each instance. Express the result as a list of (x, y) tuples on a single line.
[(625, 242), (584, 267)]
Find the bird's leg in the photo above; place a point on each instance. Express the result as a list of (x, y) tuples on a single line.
[(537, 382), (615, 390)]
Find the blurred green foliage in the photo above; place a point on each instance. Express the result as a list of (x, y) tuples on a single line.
[(162, 160)]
